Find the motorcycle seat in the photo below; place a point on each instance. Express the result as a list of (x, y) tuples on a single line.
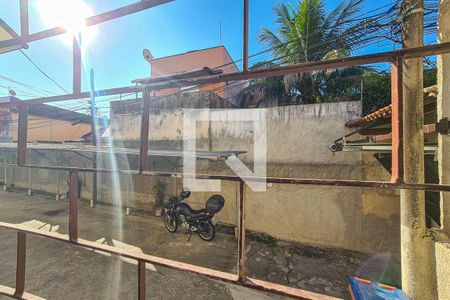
[(194, 213)]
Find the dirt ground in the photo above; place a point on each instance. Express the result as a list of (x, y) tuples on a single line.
[(57, 270)]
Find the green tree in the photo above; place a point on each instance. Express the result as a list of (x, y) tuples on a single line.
[(262, 90), (377, 87), (376, 91), (307, 33)]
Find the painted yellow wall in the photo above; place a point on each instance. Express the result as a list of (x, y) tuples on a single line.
[(44, 129)]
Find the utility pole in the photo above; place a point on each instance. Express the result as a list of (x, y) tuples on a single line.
[(94, 140), (417, 277), (443, 110), (245, 42)]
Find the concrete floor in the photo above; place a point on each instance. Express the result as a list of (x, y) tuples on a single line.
[(57, 270)]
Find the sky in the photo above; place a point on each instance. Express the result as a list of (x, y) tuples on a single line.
[(116, 53)]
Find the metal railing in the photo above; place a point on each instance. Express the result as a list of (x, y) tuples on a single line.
[(394, 57)]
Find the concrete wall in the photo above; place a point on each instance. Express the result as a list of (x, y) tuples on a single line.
[(441, 241), (441, 252), (359, 219), (350, 218)]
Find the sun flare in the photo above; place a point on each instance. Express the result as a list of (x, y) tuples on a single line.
[(69, 14)]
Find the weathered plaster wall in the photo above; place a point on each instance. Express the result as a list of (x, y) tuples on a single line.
[(441, 241), (298, 136), (443, 110), (440, 250)]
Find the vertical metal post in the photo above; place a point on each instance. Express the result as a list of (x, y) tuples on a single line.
[(141, 280), (5, 182), (245, 42), (22, 133), (21, 264), (57, 178), (94, 140), (73, 206), (24, 23), (144, 134), (76, 43), (57, 185), (30, 183), (241, 231), (128, 195), (397, 124)]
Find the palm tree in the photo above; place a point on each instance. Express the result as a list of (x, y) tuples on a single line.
[(263, 91), (307, 33)]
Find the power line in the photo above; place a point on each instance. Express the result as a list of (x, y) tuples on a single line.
[(42, 72)]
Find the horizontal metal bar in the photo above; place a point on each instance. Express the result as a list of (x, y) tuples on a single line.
[(300, 181), (94, 20), (176, 265), (284, 290), (66, 97), (9, 292), (269, 72), (388, 56)]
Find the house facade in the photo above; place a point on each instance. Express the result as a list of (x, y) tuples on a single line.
[(46, 123), (216, 58)]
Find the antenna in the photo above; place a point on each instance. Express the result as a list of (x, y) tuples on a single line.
[(147, 55), (220, 33)]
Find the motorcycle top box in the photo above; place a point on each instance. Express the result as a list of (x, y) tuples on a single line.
[(214, 204)]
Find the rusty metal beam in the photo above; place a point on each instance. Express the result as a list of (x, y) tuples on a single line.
[(73, 206), (141, 280), (284, 290), (145, 120), (21, 263), (9, 292), (94, 20), (24, 20), (179, 266), (309, 67), (302, 181), (396, 120), (441, 48), (245, 37), (65, 97), (242, 246), (22, 132)]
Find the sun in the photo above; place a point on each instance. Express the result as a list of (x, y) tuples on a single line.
[(69, 14)]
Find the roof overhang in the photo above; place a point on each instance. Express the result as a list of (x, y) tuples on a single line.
[(7, 33), (205, 71), (429, 149)]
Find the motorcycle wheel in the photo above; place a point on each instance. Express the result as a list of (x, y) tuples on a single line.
[(171, 222), (206, 231)]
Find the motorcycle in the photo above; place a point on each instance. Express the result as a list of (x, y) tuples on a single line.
[(200, 221)]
